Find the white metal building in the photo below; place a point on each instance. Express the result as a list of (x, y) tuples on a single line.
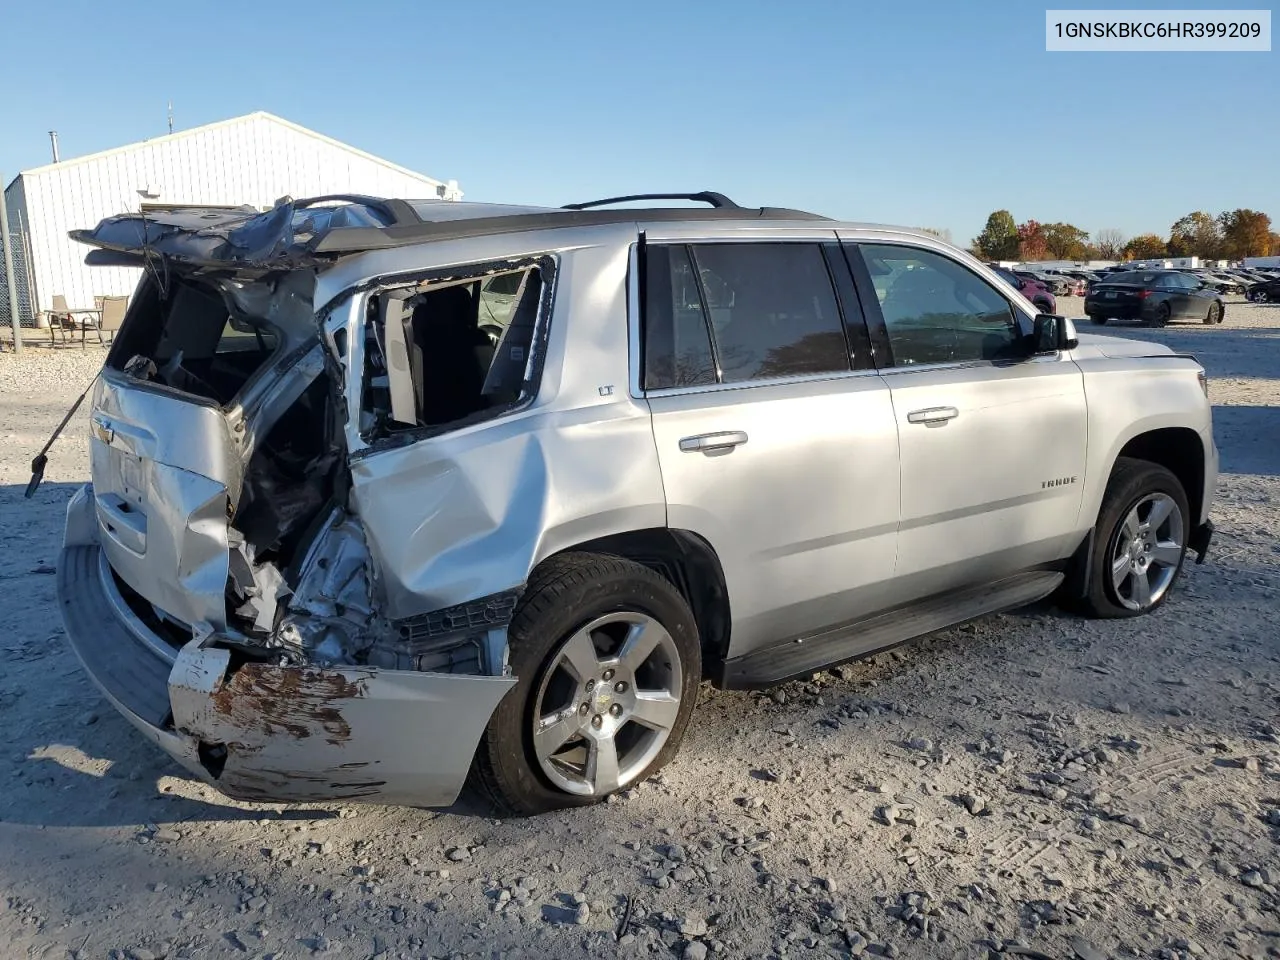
[(254, 159)]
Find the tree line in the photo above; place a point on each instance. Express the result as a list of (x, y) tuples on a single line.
[(1231, 235)]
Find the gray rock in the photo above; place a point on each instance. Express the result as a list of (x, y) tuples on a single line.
[(1250, 764), (582, 915), (88, 719), (1086, 950), (1252, 878), (692, 925), (166, 835), (458, 854), (974, 804), (923, 744), (695, 950)]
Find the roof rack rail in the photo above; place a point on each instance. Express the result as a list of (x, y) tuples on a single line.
[(717, 200)]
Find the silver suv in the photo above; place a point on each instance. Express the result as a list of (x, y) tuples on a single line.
[(386, 493)]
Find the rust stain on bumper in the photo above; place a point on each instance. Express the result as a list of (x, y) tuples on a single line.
[(266, 700)]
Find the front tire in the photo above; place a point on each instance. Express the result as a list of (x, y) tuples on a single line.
[(1140, 540), (1214, 315), (608, 663)]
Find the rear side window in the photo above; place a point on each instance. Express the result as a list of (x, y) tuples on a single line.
[(735, 312)]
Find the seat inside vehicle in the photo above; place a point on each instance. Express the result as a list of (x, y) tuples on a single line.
[(463, 346), (449, 354)]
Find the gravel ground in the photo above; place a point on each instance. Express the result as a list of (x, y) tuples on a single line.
[(1030, 784)]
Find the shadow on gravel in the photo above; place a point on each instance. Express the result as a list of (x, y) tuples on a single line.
[(1248, 439)]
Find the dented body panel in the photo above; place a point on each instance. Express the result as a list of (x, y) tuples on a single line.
[(266, 732)]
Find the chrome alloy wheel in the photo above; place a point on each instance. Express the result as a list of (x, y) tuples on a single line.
[(1146, 550), (607, 703)]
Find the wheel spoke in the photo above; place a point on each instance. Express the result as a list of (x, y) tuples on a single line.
[(1141, 589), (1119, 570), (1166, 553), (656, 709), (602, 765), (579, 656), (641, 639), (1132, 525), (1161, 507), (553, 733)]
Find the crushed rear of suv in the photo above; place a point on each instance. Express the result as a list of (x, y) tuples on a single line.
[(388, 493)]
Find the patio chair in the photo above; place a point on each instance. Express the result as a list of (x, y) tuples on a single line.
[(112, 315), (60, 318)]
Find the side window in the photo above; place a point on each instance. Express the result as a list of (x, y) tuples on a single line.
[(772, 310), (937, 311), (677, 346)]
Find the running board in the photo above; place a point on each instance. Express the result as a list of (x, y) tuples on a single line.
[(804, 655)]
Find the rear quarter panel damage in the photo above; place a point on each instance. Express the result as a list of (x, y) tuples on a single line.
[(469, 513), (303, 734)]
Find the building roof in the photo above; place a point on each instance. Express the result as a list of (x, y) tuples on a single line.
[(430, 182)]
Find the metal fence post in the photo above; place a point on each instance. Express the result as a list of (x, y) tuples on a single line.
[(10, 281)]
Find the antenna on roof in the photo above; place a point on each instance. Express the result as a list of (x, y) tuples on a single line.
[(171, 116), (53, 142)]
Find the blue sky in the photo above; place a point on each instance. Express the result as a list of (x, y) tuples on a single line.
[(925, 114)]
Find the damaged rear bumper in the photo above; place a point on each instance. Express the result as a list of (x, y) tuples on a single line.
[(258, 731)]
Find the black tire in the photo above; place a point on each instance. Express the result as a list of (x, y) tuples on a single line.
[(1161, 317), (1100, 321), (565, 593), (1130, 482), (1042, 306), (1215, 313)]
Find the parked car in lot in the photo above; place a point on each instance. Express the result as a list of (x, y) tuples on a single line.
[(1032, 289), (1056, 285), (1219, 282), (1268, 291), (362, 551), (1154, 297)]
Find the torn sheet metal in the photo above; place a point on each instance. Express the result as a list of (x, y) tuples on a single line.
[(300, 734), (229, 239), (331, 613)]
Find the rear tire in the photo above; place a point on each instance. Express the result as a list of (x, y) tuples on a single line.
[(1100, 321), (578, 615), (1129, 549), (1161, 316)]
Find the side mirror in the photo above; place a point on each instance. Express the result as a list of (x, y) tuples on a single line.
[(1052, 333)]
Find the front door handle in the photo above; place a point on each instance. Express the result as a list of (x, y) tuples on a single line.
[(713, 442), (933, 415)]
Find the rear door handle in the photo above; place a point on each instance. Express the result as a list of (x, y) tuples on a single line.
[(933, 415), (711, 442)]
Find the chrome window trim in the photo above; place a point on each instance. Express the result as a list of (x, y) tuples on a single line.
[(762, 382)]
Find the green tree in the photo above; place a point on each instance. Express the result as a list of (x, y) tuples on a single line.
[(1196, 235), (999, 238), (1032, 244), (1148, 246), (1066, 242), (1245, 233)]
